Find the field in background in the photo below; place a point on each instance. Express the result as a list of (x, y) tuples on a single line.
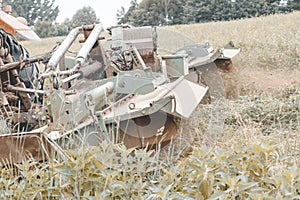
[(267, 42), (270, 49), (45, 45), (256, 157)]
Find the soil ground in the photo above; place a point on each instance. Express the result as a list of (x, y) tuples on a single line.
[(253, 81), (269, 80)]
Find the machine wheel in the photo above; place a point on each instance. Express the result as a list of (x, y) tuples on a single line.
[(172, 137), (148, 131)]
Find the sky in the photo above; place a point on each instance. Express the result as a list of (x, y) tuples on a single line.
[(106, 10)]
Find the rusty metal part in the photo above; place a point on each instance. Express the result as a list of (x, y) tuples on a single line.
[(26, 90), (5, 108), (15, 78), (19, 147), (13, 26), (87, 29), (137, 58), (25, 62), (148, 131), (91, 72), (25, 118), (99, 38), (225, 65), (16, 148)]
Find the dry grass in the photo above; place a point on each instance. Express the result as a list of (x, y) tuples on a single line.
[(44, 46), (267, 42)]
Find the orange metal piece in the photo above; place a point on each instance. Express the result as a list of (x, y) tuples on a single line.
[(10, 24), (13, 26), (144, 133)]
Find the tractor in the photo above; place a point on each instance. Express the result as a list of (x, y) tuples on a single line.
[(124, 85)]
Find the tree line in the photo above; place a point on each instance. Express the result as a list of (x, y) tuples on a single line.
[(171, 12), (41, 14)]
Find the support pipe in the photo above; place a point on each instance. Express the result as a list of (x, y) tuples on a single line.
[(14, 65), (26, 90), (88, 45), (62, 49)]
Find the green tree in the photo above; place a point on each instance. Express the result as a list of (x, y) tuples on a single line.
[(155, 14), (198, 11), (128, 17), (121, 15), (45, 29), (170, 12), (34, 10), (64, 28), (253, 8), (273, 1), (294, 4), (84, 16), (148, 12), (224, 10), (174, 12)]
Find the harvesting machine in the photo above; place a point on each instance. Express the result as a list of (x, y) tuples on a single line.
[(125, 87)]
